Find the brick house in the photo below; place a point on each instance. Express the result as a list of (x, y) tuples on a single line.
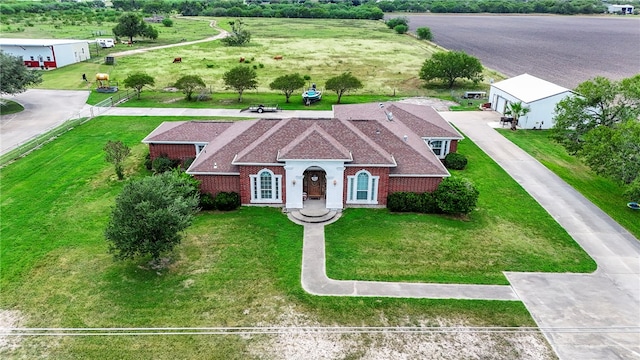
[(357, 158)]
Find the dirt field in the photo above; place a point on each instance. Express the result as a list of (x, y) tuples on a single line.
[(566, 50)]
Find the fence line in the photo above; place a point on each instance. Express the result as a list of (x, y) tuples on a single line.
[(51, 133)]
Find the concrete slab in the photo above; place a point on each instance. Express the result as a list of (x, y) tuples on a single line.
[(43, 111)]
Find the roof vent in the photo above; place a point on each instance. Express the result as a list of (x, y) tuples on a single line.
[(389, 116), (377, 131), (405, 138), (381, 105)]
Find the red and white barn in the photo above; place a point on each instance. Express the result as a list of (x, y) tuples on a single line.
[(360, 156), (47, 53)]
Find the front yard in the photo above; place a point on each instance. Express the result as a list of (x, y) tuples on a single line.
[(241, 268)]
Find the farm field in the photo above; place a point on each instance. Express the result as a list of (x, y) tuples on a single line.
[(384, 61), (565, 50), (239, 268)]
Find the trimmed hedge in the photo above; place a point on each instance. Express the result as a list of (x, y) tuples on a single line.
[(227, 201), (455, 161), (454, 195)]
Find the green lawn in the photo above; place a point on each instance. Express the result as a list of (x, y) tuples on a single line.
[(603, 192), (233, 269), (499, 236)]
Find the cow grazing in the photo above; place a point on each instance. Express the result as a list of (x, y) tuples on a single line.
[(241, 59), (277, 57), (177, 60)]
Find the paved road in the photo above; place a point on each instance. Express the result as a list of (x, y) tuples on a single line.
[(43, 110), (608, 299)]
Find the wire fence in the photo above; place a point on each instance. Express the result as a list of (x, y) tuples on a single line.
[(49, 134)]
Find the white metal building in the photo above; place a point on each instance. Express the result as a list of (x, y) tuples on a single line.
[(47, 53), (540, 96), (621, 9)]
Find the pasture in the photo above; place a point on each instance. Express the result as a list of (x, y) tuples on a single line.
[(384, 61), (241, 268), (565, 50)]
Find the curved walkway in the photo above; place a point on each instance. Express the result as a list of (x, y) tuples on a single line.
[(602, 310)]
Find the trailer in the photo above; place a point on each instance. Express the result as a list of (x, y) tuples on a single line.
[(260, 108)]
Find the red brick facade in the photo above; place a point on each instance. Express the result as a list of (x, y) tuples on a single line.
[(453, 147), (413, 184), (219, 183), (245, 183), (173, 151), (383, 183)]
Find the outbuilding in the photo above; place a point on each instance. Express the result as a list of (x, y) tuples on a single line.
[(47, 53), (620, 9), (540, 96)]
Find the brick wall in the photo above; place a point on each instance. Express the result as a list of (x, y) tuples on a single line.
[(453, 147), (413, 184), (245, 181), (383, 181), (174, 151), (213, 184)]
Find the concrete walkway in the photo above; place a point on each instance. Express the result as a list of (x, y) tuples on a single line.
[(608, 299)]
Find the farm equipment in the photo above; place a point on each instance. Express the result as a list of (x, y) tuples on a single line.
[(262, 108)]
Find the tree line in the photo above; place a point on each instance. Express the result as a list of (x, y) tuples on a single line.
[(335, 9)]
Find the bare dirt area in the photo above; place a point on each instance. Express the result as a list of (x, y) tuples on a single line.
[(565, 50), (9, 319), (305, 341)]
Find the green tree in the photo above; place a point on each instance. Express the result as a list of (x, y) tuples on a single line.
[(424, 33), (450, 66), (343, 83), (516, 111), (116, 152), (598, 102), (15, 76), (130, 25), (287, 84), (614, 151), (137, 81), (150, 32), (188, 84), (149, 215), (240, 78), (239, 36), (167, 22)]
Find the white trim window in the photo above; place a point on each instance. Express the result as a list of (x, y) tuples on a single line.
[(266, 187), (440, 147), (199, 148), (362, 188)]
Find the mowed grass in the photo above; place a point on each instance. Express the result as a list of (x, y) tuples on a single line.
[(240, 268), (320, 48), (603, 192), (509, 231)]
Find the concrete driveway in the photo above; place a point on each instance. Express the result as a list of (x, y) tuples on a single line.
[(584, 316), (43, 110)]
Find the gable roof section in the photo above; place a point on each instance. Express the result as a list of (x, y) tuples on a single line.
[(424, 121), (529, 88), (315, 143), (218, 155), (186, 132)]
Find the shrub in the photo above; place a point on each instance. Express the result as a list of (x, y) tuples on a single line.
[(401, 29), (226, 201), (147, 162), (207, 202), (163, 164), (397, 202), (412, 202), (455, 161), (167, 22), (428, 204), (456, 195), (392, 23), (424, 33), (633, 190)]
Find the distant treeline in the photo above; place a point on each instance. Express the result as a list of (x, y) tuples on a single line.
[(337, 9)]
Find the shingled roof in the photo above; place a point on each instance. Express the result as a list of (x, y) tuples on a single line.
[(390, 135)]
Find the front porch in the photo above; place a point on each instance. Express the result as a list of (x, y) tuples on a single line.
[(314, 211)]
